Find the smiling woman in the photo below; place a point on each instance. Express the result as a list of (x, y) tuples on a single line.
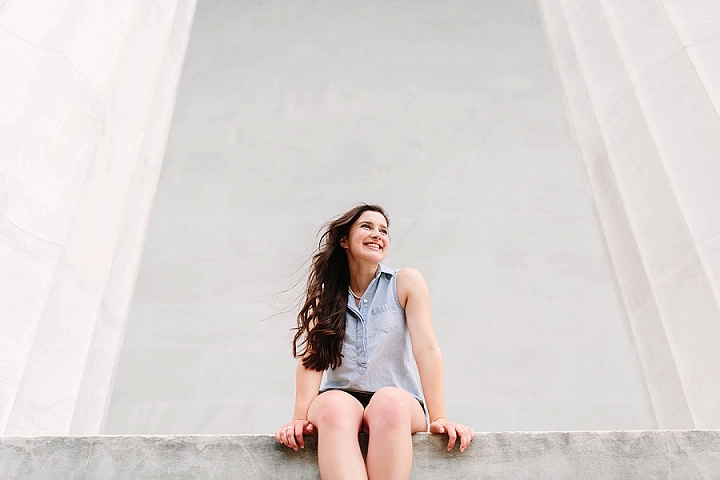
[(366, 326)]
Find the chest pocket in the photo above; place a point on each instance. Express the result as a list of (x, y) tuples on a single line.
[(387, 317)]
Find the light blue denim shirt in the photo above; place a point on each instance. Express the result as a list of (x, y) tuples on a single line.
[(376, 351)]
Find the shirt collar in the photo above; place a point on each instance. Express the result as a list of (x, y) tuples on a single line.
[(384, 269)]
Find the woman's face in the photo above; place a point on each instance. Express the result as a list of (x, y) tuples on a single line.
[(368, 238)]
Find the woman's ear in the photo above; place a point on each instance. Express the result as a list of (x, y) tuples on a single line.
[(343, 242)]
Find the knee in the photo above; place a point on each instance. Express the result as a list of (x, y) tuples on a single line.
[(338, 410), (388, 409)]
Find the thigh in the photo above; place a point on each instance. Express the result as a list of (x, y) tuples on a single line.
[(394, 401), (337, 408)]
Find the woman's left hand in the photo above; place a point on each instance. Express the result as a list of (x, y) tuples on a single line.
[(453, 430)]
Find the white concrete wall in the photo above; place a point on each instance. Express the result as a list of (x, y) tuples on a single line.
[(87, 91), (448, 114), (641, 81)]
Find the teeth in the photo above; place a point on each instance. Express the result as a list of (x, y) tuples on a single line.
[(373, 245)]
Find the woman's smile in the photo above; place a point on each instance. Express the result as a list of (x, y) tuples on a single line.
[(368, 236)]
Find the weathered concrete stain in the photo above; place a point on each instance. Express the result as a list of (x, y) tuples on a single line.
[(677, 454)]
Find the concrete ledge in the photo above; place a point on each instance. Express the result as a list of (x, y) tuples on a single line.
[(678, 454)]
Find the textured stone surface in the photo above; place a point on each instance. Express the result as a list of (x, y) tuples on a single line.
[(640, 84), (627, 455), (446, 113), (87, 92)]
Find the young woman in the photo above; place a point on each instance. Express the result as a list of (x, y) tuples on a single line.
[(366, 326)]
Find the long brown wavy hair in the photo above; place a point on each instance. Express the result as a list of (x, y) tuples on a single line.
[(321, 320)]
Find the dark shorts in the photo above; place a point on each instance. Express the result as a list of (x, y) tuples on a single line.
[(364, 397)]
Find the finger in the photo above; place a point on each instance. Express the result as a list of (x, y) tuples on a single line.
[(465, 437), (436, 427), (299, 436), (285, 437), (470, 435), (460, 430), (309, 428), (453, 436), (291, 438), (280, 435)]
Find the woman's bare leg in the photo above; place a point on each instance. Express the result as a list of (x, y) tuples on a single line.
[(338, 417), (391, 418)]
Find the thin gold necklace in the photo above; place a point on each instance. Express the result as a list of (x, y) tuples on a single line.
[(353, 293)]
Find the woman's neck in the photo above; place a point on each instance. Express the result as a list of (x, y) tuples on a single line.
[(361, 275)]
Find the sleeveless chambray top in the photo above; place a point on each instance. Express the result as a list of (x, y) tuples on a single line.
[(376, 352)]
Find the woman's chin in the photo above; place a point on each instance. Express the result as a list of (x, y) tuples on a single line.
[(377, 257), (371, 257)]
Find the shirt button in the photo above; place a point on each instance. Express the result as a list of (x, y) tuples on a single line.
[(365, 301)]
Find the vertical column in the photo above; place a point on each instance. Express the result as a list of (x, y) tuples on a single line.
[(648, 133), (90, 91)]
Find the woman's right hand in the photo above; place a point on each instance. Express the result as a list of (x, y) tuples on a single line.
[(291, 434)]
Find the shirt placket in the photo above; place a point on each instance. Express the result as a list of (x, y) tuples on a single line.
[(361, 356), (361, 335)]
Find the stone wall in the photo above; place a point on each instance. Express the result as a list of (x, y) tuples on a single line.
[(519, 455), (449, 115), (641, 82), (87, 92)]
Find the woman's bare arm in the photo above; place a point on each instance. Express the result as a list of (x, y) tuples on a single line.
[(307, 384), (414, 296)]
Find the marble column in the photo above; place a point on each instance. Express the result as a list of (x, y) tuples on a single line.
[(641, 83), (87, 92)]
